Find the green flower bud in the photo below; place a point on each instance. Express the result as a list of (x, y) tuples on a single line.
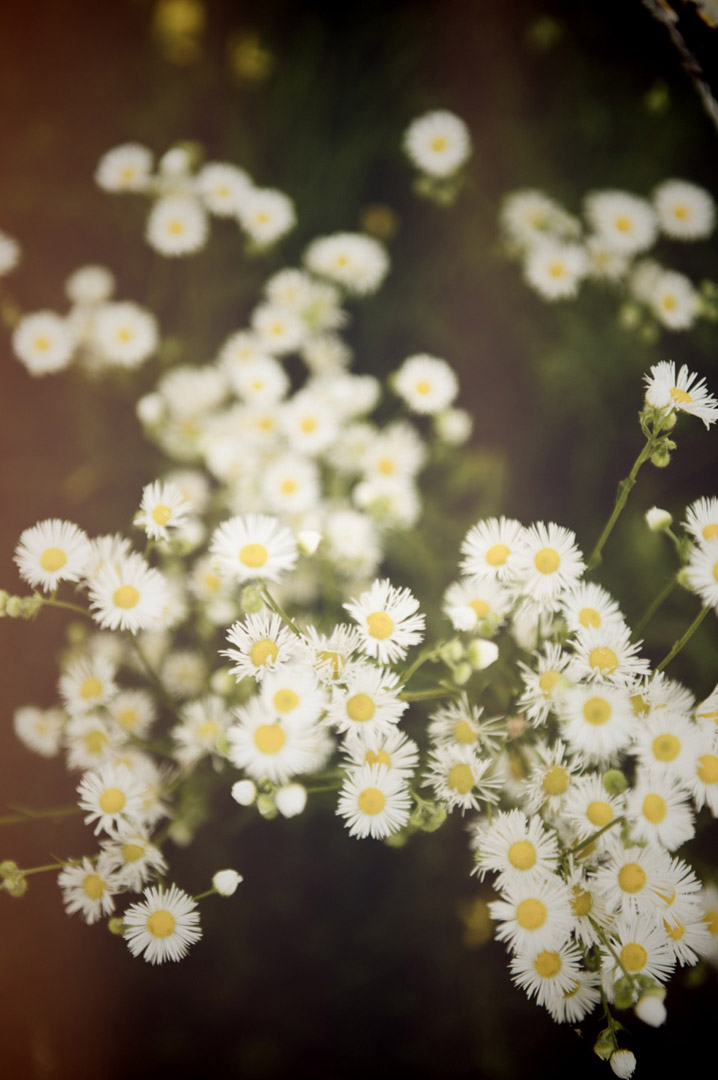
[(266, 806), (116, 925), (251, 600), (624, 993), (614, 782), (605, 1044), (13, 607), (462, 673), (16, 885), (8, 868)]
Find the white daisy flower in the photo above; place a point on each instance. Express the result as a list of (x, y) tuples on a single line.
[(330, 654), (589, 604), (388, 619), (133, 857), (548, 563), (641, 949), (253, 545), (262, 643), (664, 744), (438, 143), (41, 730), (544, 685), (476, 602), (163, 507), (426, 383), (578, 1001), (374, 801), (550, 780), (659, 813), (90, 285), (125, 333), (9, 254), (517, 848), (239, 348), (278, 330), (222, 186), (259, 381), (549, 974), (457, 775), (44, 342), (706, 713), (292, 692), (625, 221), (689, 938), (309, 423), (529, 217), (392, 501), (112, 796), (125, 168), (390, 749), (597, 721), (492, 547), (607, 653), (634, 880), (86, 684), (462, 724), (268, 746), (702, 520), (368, 702), (266, 215), (201, 724), (700, 773), (89, 889), (534, 915), (701, 572), (50, 552), (453, 426), (133, 711), (357, 262), (604, 262), (129, 595), (397, 450), (291, 485), (674, 301), (184, 673), (589, 807), (685, 211), (90, 742), (555, 269), (177, 226), (163, 925), (684, 392)]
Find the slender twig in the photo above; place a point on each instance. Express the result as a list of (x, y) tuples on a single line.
[(654, 605), (678, 645), (624, 489)]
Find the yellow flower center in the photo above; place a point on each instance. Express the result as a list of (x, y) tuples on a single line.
[(132, 852), (710, 532), (711, 921), (360, 707), (438, 144), (666, 747), (547, 964), (380, 625), (91, 688), (623, 224), (547, 682), (632, 878), (708, 769), (269, 738), (128, 719), (93, 886), (161, 924), (288, 487), (669, 302), (639, 705), (556, 780), (53, 559), (112, 800), (263, 651), (633, 957), (588, 616), (547, 560), (423, 387), (497, 554), (386, 466), (207, 731), (308, 424), (333, 660), (377, 757), (161, 514), (285, 700), (597, 711), (460, 779), (95, 742), (557, 270), (603, 658), (599, 813), (654, 808), (480, 607), (127, 596), (681, 397), (176, 227), (464, 733), (681, 211), (42, 344), (371, 801), (253, 555), (581, 901), (522, 855), (124, 334), (531, 914)]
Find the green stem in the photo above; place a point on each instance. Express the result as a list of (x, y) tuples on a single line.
[(619, 963), (154, 677), (204, 895), (321, 788), (654, 605), (37, 815), (624, 489), (427, 695), (50, 601), (424, 656), (594, 836), (678, 645), (279, 610)]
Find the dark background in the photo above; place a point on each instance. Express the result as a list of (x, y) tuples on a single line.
[(336, 958)]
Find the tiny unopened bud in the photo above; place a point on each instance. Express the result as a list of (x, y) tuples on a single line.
[(624, 993), (291, 800), (614, 782), (16, 885), (481, 653), (451, 651), (605, 1044), (29, 606), (657, 520), (650, 1008), (222, 682), (267, 806), (226, 882), (308, 541), (244, 792), (150, 409), (180, 834), (8, 868), (251, 600), (116, 925), (453, 426), (623, 1063), (661, 458), (4, 597), (462, 673), (13, 607)]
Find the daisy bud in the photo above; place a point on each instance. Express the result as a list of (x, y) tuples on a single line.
[(624, 993), (605, 1044), (453, 426), (657, 519), (308, 541), (482, 653), (150, 409), (614, 782), (4, 597), (221, 682), (452, 651), (180, 834), (266, 806), (16, 885), (661, 458), (291, 800), (8, 868), (13, 607), (650, 1008), (623, 1062), (116, 925), (250, 600), (244, 792), (462, 673), (226, 882)]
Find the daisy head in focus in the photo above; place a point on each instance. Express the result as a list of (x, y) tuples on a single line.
[(164, 506), (374, 801), (681, 392), (388, 619), (50, 552), (129, 595), (438, 143), (163, 925), (253, 546)]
